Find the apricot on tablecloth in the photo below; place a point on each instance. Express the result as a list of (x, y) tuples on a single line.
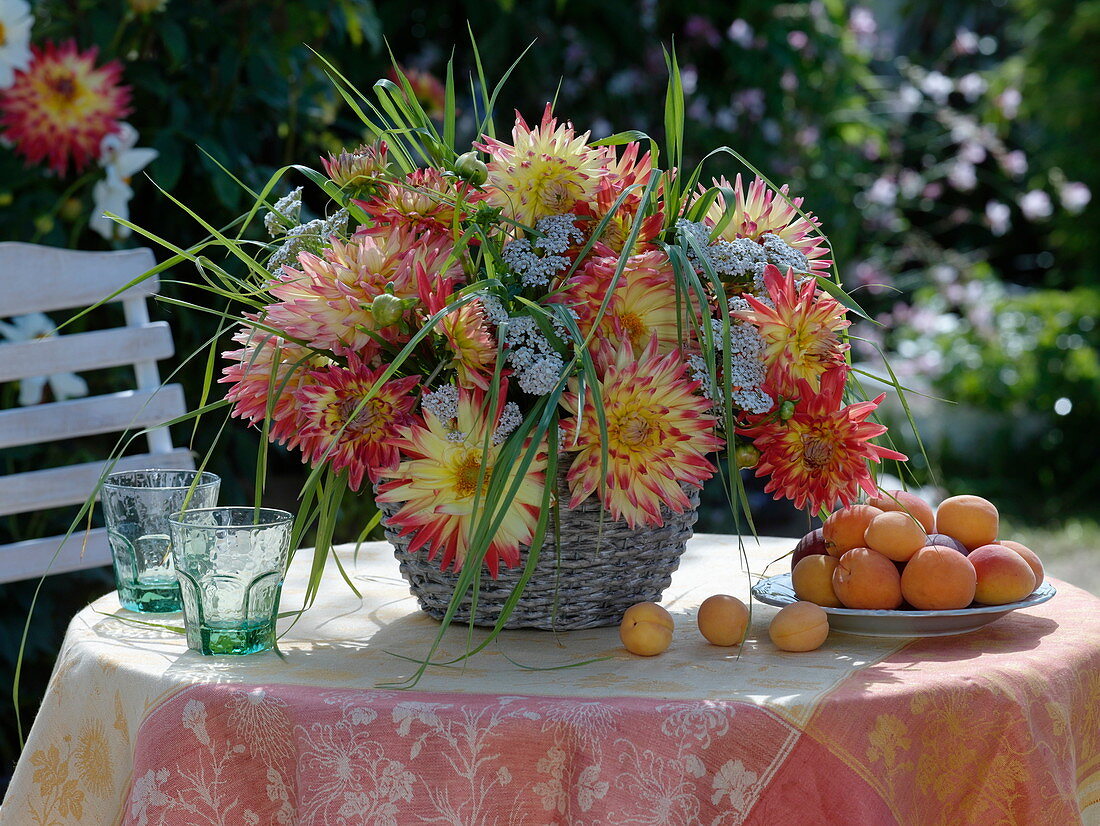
[(800, 626)]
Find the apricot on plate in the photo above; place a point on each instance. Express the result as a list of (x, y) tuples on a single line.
[(812, 579), (723, 619), (866, 579), (800, 626), (809, 545), (1003, 575), (938, 579), (1030, 557), (646, 629), (896, 535), (906, 502), (844, 528), (970, 519)]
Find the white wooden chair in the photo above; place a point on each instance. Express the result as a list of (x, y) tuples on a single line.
[(46, 279)]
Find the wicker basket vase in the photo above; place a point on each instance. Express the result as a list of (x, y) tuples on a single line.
[(587, 587)]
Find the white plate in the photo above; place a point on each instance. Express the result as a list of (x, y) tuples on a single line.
[(777, 590)]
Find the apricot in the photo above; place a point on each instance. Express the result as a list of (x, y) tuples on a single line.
[(800, 626), (905, 502), (648, 611), (646, 629), (812, 579), (866, 579), (809, 545), (896, 535), (970, 519), (945, 541), (1003, 575), (723, 620), (938, 579), (1030, 557), (844, 529)]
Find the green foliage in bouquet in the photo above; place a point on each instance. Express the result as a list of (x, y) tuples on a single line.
[(466, 317)]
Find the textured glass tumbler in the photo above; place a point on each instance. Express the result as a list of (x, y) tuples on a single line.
[(136, 505), (230, 563)]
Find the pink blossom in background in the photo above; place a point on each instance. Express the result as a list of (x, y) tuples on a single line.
[(1075, 196), (1036, 205)]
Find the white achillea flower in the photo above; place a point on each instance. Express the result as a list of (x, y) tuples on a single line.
[(494, 311), (288, 211), (312, 236), (536, 270), (747, 368), (510, 419), (441, 403), (538, 366)]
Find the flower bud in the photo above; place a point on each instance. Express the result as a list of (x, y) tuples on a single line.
[(471, 168), (786, 410), (746, 455), (358, 169), (387, 309)]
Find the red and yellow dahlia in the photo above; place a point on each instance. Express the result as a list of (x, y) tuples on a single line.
[(61, 106), (544, 172), (348, 433), (622, 173), (643, 303), (659, 432), (328, 301), (254, 391), (424, 200), (473, 347), (821, 454), (763, 211), (801, 332), (437, 485)]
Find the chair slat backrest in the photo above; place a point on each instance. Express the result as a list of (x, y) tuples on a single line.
[(44, 279)]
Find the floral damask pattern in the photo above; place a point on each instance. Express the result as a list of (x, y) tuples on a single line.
[(337, 758)]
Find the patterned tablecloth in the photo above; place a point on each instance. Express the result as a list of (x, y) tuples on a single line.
[(994, 727)]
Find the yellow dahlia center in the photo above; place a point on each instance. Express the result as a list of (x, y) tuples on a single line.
[(368, 421), (555, 191), (64, 87), (633, 327), (466, 472), (817, 449), (636, 429)]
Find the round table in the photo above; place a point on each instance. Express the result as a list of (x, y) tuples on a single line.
[(998, 726)]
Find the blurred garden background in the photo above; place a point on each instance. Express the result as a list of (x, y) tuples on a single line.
[(946, 147)]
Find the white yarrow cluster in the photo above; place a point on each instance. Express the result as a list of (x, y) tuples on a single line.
[(741, 258), (510, 418), (537, 364), (747, 369), (493, 309), (287, 214), (310, 236), (534, 269), (441, 403)]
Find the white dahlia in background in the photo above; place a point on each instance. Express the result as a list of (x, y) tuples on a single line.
[(15, 39), (63, 385), (121, 160)]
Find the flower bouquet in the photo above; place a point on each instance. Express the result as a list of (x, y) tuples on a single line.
[(538, 347)]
